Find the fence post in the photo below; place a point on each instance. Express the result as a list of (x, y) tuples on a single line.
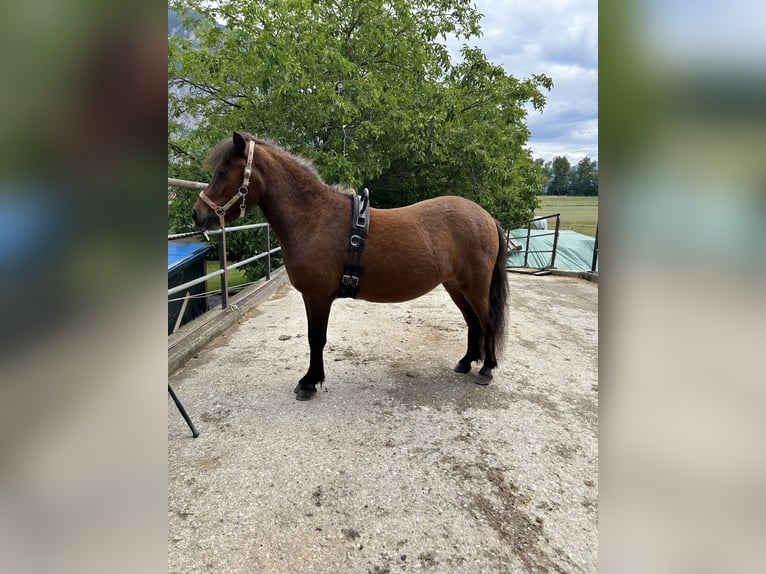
[(526, 249), (268, 253), (555, 242), (181, 313), (224, 265), (595, 252)]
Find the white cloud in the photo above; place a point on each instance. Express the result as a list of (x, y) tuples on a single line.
[(558, 38), (574, 152)]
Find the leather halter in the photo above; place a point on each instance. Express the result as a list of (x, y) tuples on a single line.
[(219, 210)]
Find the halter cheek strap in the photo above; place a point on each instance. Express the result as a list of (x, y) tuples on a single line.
[(220, 210)]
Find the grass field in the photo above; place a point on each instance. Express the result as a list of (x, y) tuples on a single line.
[(578, 213), (236, 276)]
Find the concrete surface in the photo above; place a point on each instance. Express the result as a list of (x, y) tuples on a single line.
[(185, 342), (398, 464)]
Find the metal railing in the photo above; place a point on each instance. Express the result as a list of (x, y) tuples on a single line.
[(515, 246), (222, 255), (595, 253), (527, 250)]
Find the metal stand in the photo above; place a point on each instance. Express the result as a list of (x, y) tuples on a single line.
[(182, 410)]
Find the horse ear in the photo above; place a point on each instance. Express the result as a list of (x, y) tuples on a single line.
[(239, 142)]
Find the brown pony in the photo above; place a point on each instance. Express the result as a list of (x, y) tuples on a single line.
[(409, 250)]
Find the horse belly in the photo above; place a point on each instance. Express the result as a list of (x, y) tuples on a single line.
[(403, 274), (396, 287)]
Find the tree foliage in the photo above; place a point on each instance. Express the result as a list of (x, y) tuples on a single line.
[(364, 88), (559, 183), (584, 178), (564, 179)]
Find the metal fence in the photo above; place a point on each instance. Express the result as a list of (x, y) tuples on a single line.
[(514, 245), (595, 253), (222, 255), (528, 223)]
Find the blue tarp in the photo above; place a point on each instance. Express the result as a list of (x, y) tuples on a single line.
[(180, 253), (574, 251)]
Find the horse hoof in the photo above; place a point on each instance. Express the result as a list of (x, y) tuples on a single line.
[(483, 379), (304, 394), (461, 368)]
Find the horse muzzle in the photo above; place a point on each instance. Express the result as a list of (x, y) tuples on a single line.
[(205, 218)]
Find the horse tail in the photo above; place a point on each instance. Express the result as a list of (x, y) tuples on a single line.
[(498, 292)]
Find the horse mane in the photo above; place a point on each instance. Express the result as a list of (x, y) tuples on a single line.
[(224, 150), (341, 189)]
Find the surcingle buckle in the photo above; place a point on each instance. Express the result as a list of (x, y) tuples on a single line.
[(350, 282)]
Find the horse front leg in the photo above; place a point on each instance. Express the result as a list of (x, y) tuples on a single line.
[(317, 313)]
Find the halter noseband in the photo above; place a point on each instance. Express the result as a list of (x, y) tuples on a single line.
[(219, 210)]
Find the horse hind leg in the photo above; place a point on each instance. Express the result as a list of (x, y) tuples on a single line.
[(490, 361), (488, 300), (473, 351), (479, 306)]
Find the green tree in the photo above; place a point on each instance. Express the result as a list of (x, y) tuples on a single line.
[(476, 147), (584, 178), (559, 182), (364, 88), (546, 169)]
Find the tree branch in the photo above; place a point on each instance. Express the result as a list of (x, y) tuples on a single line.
[(211, 91)]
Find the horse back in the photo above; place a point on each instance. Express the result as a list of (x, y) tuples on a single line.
[(410, 250)]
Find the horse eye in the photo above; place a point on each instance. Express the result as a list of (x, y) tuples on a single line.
[(223, 173)]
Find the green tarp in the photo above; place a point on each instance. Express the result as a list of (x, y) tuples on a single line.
[(574, 251)]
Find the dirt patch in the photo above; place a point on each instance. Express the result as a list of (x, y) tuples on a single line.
[(415, 389)]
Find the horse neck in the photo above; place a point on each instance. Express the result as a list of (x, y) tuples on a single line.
[(295, 201)]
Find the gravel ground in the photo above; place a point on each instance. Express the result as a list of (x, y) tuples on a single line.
[(398, 464)]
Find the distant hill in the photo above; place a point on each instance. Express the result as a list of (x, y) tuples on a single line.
[(175, 26)]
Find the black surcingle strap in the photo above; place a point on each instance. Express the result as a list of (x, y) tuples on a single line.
[(360, 224)]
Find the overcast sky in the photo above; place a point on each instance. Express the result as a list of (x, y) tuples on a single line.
[(558, 38)]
